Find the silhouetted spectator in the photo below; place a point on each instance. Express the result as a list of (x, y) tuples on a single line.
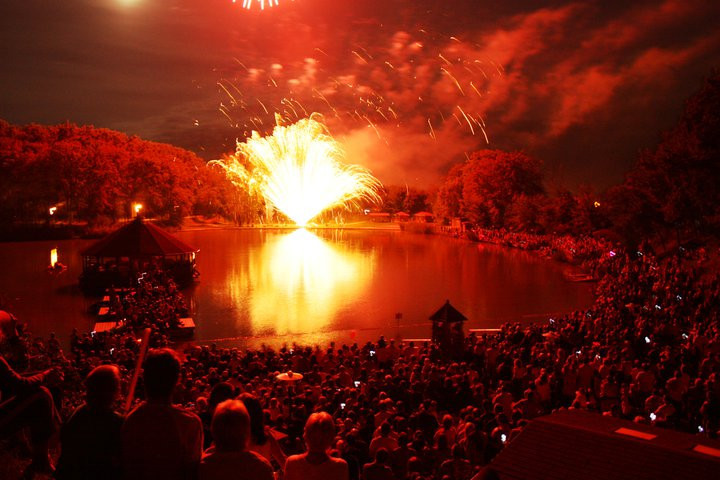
[(378, 469), (159, 439), (316, 464), (230, 458), (91, 437), (25, 403), (262, 440)]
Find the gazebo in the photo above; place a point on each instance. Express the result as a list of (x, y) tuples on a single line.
[(423, 217), (402, 216), (447, 328), (118, 259)]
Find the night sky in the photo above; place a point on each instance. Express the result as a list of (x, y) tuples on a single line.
[(409, 86)]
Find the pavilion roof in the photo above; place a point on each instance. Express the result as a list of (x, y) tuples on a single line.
[(447, 313), (138, 239)]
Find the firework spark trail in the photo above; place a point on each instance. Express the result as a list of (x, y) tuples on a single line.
[(346, 89), (298, 170)]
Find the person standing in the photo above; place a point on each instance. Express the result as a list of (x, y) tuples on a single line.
[(26, 403), (316, 464), (90, 439), (159, 439), (230, 457)]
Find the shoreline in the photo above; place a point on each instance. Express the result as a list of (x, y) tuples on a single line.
[(40, 233)]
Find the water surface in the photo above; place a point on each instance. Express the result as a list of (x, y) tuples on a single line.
[(279, 286)]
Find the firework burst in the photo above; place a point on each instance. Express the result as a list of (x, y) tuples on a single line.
[(299, 171)]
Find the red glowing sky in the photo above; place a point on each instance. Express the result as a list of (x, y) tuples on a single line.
[(410, 86)]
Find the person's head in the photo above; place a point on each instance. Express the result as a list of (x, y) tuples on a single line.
[(103, 386), (220, 392), (160, 373), (458, 452), (381, 456), (230, 426), (319, 432), (385, 429), (8, 325), (257, 418)]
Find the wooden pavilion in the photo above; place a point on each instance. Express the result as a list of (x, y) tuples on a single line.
[(118, 259), (447, 328)]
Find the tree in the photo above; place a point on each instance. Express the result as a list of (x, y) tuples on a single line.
[(484, 188), (675, 186)]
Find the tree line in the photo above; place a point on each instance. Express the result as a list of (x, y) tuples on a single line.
[(95, 175), (672, 189)]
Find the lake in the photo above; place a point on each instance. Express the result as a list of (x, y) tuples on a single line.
[(274, 286)]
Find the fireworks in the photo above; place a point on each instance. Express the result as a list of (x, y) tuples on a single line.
[(298, 170), (413, 82)]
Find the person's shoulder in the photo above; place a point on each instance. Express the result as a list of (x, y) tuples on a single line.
[(138, 411), (78, 413), (185, 415), (295, 458), (256, 457), (338, 460)]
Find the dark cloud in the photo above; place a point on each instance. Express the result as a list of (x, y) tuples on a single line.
[(411, 87)]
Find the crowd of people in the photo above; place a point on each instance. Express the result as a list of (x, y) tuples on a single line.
[(647, 350), (155, 303)]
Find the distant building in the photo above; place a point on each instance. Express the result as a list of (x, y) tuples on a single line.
[(423, 217), (401, 217), (379, 217)]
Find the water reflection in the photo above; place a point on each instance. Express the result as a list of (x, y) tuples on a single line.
[(300, 282)]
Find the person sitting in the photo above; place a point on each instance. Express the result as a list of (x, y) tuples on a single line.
[(90, 439), (230, 457), (378, 470), (219, 393), (159, 439), (316, 464)]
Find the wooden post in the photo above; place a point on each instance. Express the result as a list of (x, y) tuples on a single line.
[(144, 343)]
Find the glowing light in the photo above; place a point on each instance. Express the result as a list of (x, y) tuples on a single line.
[(298, 170), (249, 3), (136, 208), (53, 257), (52, 210), (297, 283), (597, 204)]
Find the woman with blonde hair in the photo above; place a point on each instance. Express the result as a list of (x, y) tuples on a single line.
[(316, 464)]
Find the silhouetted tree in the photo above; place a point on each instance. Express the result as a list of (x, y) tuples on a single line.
[(483, 188)]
